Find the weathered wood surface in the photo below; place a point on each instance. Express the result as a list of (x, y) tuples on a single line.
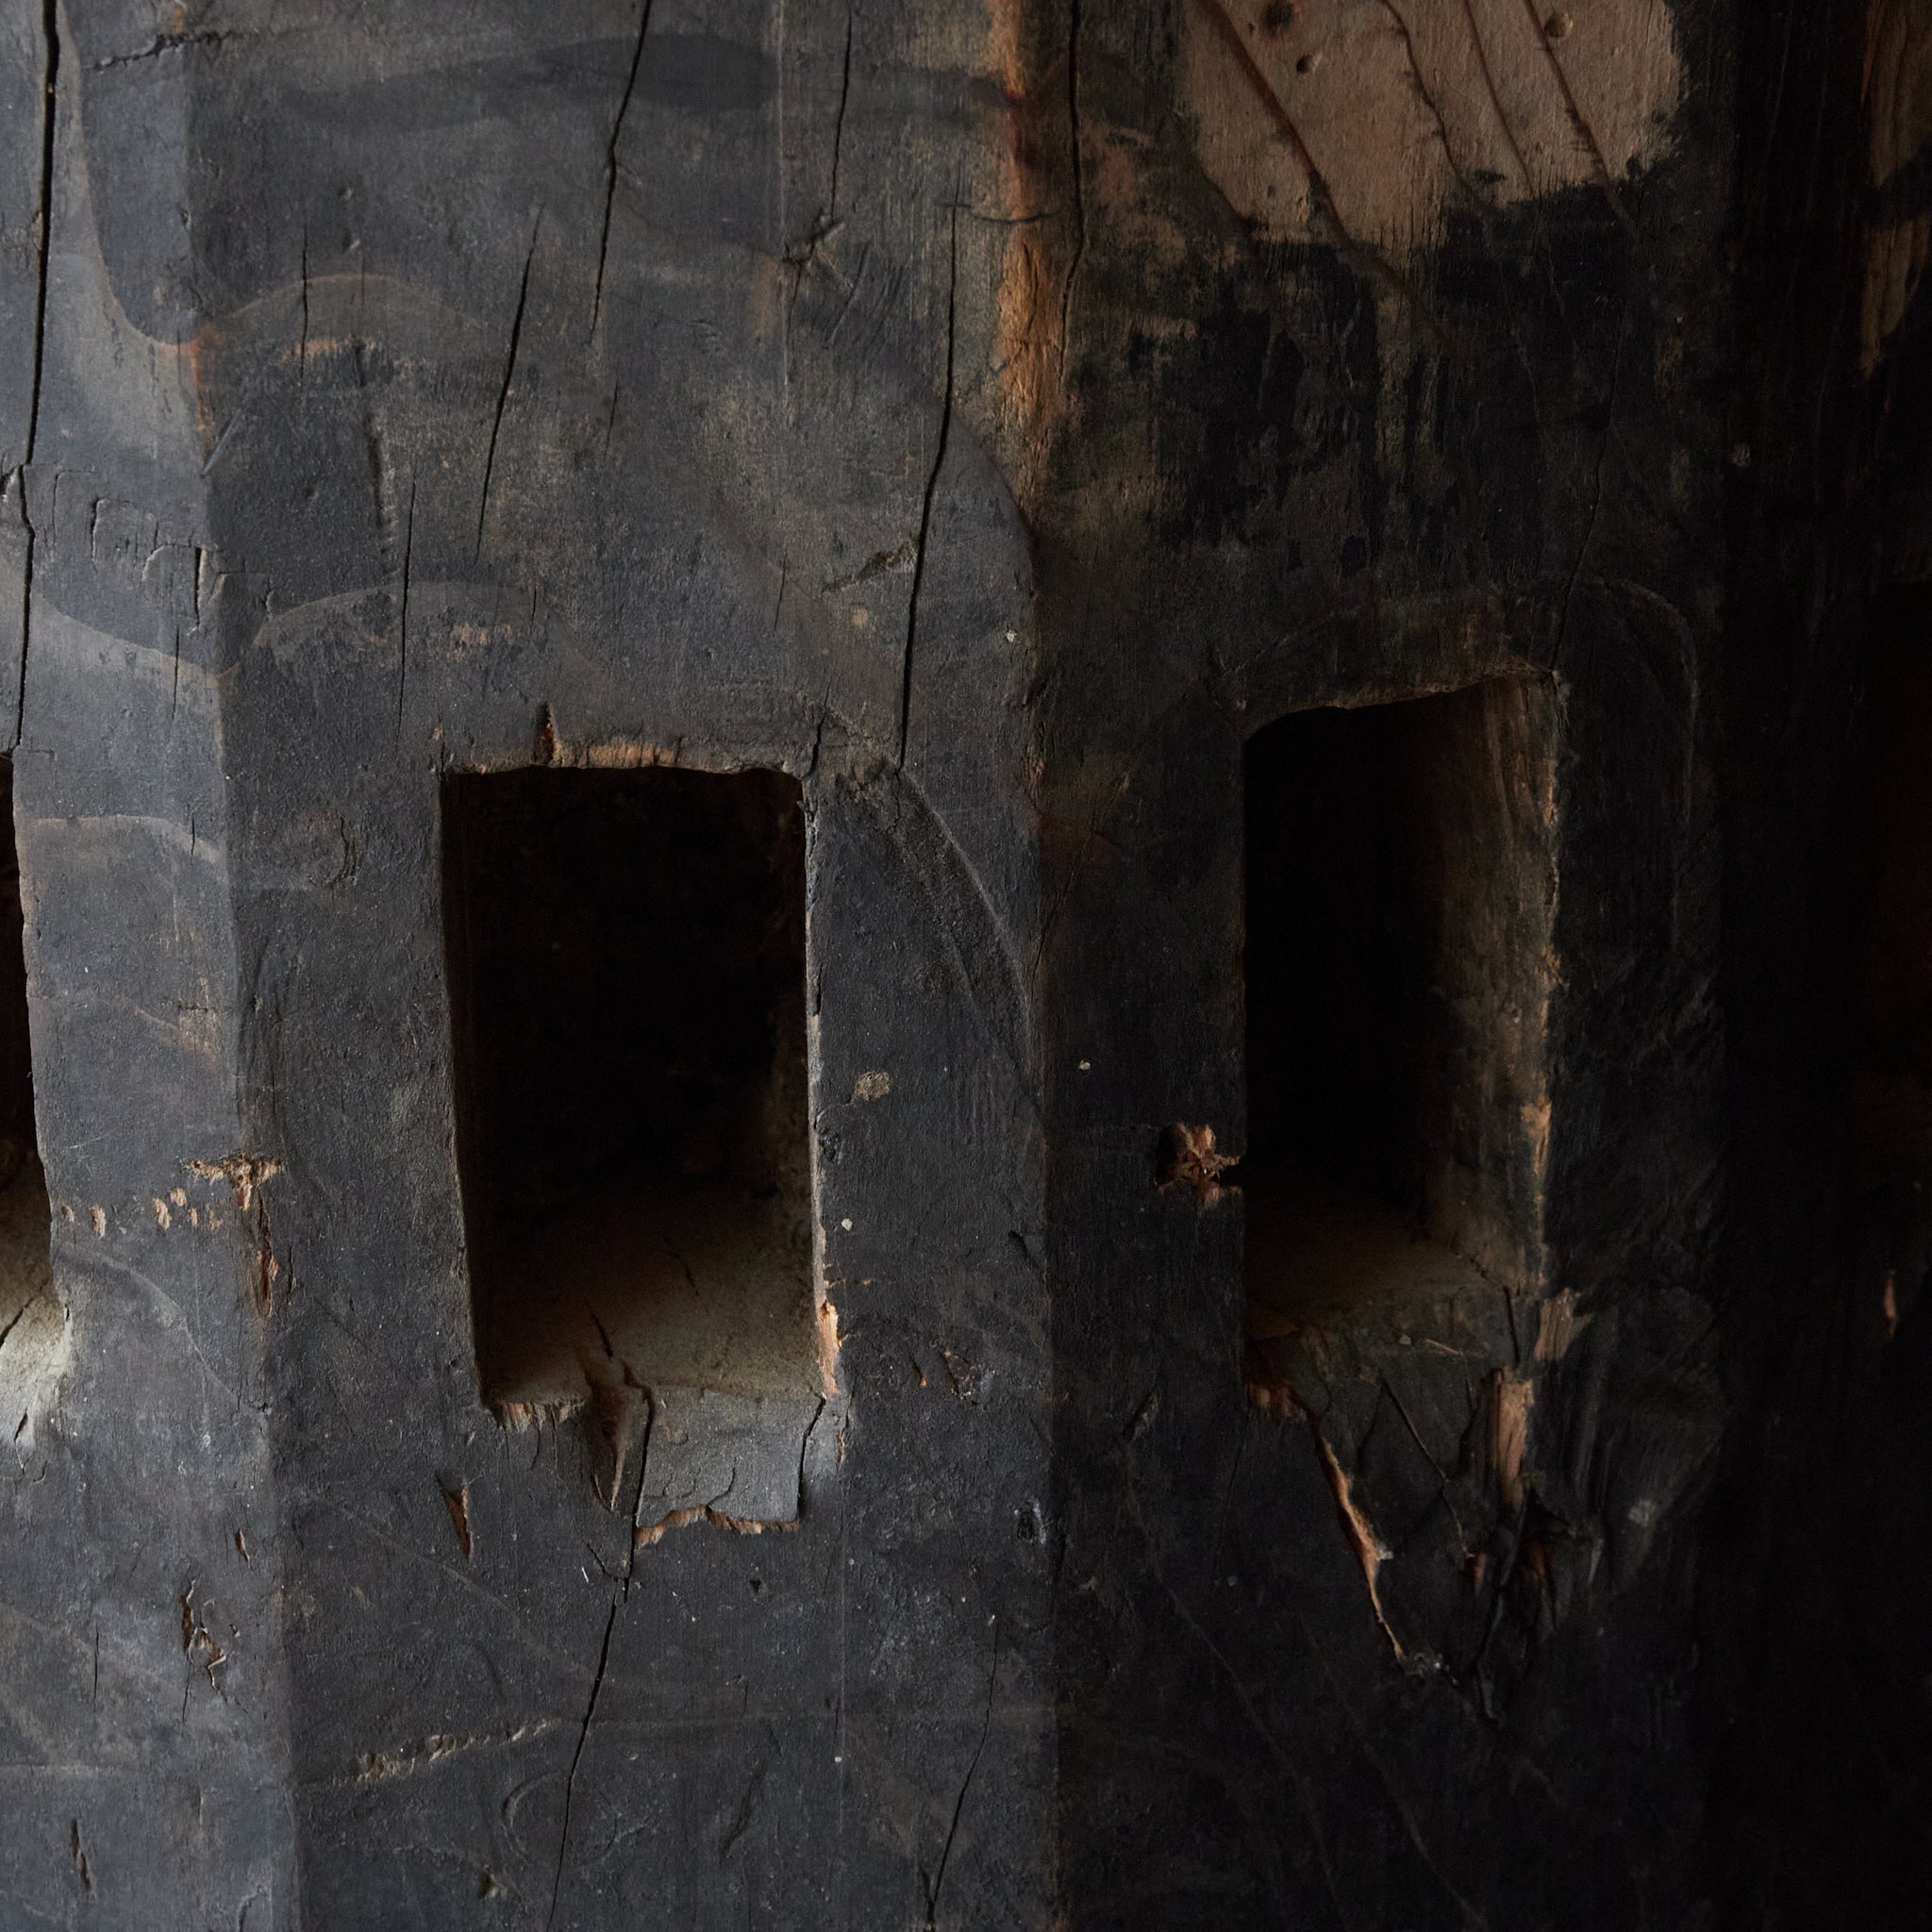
[(990, 416)]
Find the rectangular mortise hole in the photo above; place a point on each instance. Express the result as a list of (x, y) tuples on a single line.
[(25, 1268), (626, 961), (1400, 889)]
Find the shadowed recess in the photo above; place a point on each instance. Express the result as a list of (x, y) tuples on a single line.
[(626, 964), (29, 1316), (1400, 889)]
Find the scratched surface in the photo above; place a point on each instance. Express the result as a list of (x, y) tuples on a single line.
[(989, 416)]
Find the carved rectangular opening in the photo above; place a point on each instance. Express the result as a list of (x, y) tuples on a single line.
[(627, 970), (25, 1268), (1399, 887)]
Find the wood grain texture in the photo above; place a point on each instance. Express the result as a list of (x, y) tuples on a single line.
[(990, 417)]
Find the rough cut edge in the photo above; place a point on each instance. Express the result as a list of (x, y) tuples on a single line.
[(1274, 1396), (1371, 1553), (534, 1415), (825, 1321), (36, 1348), (642, 1539)]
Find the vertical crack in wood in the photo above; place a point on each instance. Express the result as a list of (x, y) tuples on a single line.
[(50, 26), (1079, 177), (938, 1876), (509, 371), (839, 125), (637, 59), (403, 637), (50, 83), (620, 1596), (570, 1782), (932, 484)]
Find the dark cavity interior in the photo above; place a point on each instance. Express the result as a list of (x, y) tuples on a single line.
[(627, 955), (1399, 891)]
